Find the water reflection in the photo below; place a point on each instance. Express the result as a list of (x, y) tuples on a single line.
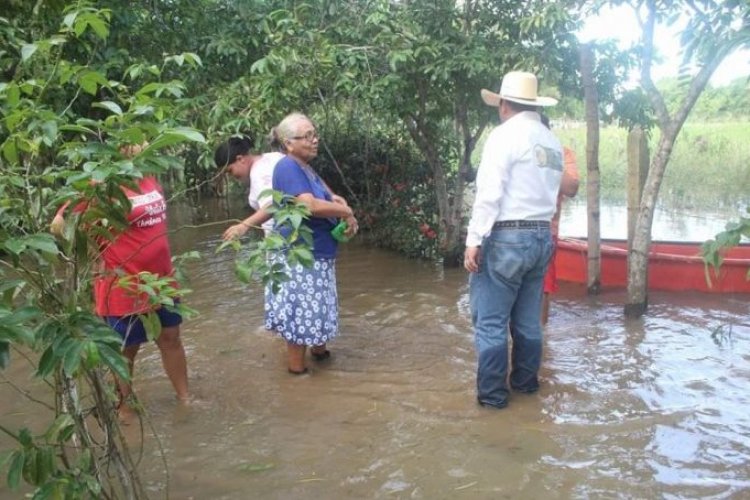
[(669, 224), (628, 409)]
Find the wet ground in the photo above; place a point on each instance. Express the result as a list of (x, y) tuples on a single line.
[(651, 408)]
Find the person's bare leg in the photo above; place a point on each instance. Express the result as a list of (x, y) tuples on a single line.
[(545, 308), (173, 360), (295, 357), (124, 388)]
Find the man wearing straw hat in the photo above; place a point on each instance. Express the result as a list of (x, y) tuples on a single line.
[(509, 244)]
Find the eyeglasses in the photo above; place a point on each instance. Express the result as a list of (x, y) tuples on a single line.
[(310, 136)]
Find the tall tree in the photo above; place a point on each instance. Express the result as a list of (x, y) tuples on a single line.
[(439, 54), (714, 30)]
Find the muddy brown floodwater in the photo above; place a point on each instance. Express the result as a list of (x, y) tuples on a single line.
[(650, 408)]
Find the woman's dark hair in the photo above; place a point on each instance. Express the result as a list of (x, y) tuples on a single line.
[(545, 120), (227, 152)]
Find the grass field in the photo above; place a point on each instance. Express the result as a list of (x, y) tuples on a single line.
[(709, 167)]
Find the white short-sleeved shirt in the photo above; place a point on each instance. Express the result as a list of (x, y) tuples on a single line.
[(261, 179), (519, 176)]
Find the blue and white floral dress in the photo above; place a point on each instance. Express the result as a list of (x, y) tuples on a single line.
[(305, 309)]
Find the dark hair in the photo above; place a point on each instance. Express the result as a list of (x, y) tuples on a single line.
[(227, 152), (545, 120)]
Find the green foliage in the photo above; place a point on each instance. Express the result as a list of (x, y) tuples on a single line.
[(64, 119), (712, 250), (714, 152), (293, 239), (407, 221)]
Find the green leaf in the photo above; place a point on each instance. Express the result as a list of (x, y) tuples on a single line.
[(16, 334), (13, 95), (72, 358), (110, 106), (15, 469), (50, 132), (174, 136), (15, 246), (69, 19), (115, 361), (99, 26), (244, 273), (46, 462), (132, 135), (42, 242), (52, 490), (93, 358), (62, 422), (80, 25), (152, 325), (47, 362), (187, 134), (91, 80), (27, 50), (21, 315), (193, 58), (77, 128), (9, 151), (259, 66), (256, 467)]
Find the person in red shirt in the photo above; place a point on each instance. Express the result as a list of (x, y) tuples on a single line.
[(568, 188), (142, 247)]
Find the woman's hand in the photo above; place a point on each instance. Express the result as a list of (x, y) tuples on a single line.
[(351, 226), (234, 232)]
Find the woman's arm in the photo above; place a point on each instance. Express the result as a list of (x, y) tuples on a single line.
[(323, 208)]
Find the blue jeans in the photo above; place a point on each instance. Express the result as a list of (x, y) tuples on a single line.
[(506, 295)]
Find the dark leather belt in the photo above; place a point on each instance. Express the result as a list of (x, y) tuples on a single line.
[(520, 224)]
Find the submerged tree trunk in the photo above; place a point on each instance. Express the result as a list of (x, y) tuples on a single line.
[(591, 98), (637, 299)]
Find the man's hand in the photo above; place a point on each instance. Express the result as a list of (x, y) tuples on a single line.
[(472, 255)]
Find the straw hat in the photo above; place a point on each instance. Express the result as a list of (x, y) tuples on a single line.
[(520, 87)]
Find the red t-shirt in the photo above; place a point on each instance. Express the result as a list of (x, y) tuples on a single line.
[(143, 246)]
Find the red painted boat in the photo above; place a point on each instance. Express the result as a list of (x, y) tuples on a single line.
[(673, 266)]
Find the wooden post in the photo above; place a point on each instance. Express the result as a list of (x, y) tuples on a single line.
[(638, 158), (591, 102)]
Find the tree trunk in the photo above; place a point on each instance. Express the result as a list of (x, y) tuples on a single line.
[(449, 200), (637, 300), (591, 101), (638, 159)]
